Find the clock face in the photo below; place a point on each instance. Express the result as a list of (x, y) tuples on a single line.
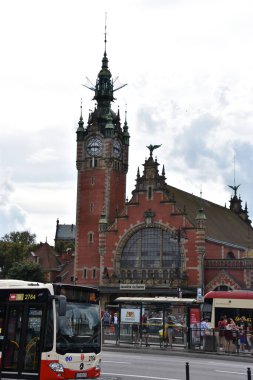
[(116, 149), (94, 147)]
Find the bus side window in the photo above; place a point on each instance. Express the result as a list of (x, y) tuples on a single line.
[(49, 330), (2, 314)]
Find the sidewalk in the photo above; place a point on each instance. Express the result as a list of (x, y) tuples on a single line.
[(177, 350)]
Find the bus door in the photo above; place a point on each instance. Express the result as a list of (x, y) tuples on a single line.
[(22, 342)]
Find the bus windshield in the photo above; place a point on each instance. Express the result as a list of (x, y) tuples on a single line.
[(79, 330)]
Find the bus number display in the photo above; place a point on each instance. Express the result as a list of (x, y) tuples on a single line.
[(30, 297), (22, 297)]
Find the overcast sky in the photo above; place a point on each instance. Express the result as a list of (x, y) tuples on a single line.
[(189, 69)]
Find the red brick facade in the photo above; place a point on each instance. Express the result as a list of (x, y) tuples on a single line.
[(164, 239)]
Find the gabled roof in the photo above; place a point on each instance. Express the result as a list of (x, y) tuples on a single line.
[(65, 231), (222, 224), (47, 257), (66, 274)]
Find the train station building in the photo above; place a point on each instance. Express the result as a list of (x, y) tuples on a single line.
[(162, 241)]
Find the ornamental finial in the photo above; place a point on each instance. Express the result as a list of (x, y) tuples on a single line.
[(153, 147)]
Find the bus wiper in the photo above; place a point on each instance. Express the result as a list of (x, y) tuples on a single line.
[(95, 345)]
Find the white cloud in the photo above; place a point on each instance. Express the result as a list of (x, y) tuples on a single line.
[(188, 65), (44, 155), (13, 217)]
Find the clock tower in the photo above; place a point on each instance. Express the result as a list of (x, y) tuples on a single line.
[(102, 164)]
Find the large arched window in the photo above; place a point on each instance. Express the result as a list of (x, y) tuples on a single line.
[(151, 248)]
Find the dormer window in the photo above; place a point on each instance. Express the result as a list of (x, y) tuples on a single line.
[(230, 255)]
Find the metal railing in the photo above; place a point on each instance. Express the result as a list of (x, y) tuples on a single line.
[(211, 340)]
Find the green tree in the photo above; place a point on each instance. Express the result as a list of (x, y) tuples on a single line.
[(24, 237), (27, 271), (62, 246), (15, 247)]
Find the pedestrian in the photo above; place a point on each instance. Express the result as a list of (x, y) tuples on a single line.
[(251, 342), (222, 323), (145, 329), (135, 331), (204, 327), (230, 334), (116, 327), (243, 331), (107, 321), (171, 332)]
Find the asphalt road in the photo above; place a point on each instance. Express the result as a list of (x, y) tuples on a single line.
[(118, 365)]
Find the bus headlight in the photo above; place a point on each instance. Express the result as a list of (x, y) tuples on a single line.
[(98, 365), (56, 367)]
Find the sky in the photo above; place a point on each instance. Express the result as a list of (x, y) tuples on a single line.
[(188, 65)]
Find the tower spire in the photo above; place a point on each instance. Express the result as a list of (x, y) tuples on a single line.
[(125, 129), (105, 31), (81, 107), (80, 129), (234, 170)]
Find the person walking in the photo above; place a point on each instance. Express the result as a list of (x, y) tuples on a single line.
[(171, 331), (243, 332), (106, 321), (251, 342), (230, 334), (135, 331), (116, 327), (145, 329), (222, 323), (204, 327)]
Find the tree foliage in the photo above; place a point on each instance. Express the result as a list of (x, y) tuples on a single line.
[(27, 271), (62, 246), (15, 247), (24, 237)]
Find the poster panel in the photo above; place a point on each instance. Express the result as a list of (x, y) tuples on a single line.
[(130, 315)]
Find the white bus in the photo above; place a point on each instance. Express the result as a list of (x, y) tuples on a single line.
[(233, 304), (49, 331)]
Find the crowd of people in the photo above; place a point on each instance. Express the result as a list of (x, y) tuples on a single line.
[(141, 330), (232, 334)]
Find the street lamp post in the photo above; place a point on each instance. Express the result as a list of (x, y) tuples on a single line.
[(202, 255), (200, 236)]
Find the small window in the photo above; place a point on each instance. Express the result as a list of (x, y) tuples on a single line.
[(92, 181), (230, 255), (143, 275), (93, 162), (156, 274), (150, 274), (91, 237), (135, 274), (92, 207), (85, 273), (150, 193), (123, 274), (94, 273), (165, 274)]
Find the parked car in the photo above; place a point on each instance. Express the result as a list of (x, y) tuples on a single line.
[(156, 323)]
